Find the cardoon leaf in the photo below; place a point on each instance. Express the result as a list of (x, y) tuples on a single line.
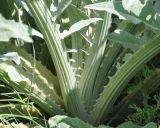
[(23, 4), (14, 75), (11, 29), (104, 126), (93, 60), (105, 6), (58, 10), (56, 48), (59, 121), (134, 11), (126, 39), (119, 81), (128, 124), (150, 125), (13, 56), (78, 26), (75, 14), (157, 5)]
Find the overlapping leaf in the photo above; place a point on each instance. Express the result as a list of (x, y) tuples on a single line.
[(11, 56), (67, 122), (132, 10), (78, 26), (11, 29), (126, 39), (58, 10)]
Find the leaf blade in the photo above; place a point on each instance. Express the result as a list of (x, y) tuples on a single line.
[(11, 29), (78, 26), (136, 13), (126, 39)]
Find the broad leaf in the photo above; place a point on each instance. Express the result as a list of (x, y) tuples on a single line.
[(128, 125), (75, 14), (157, 5), (13, 56), (132, 10), (22, 80), (78, 26), (150, 125), (23, 5), (105, 6), (126, 39), (11, 29), (58, 10), (14, 75), (59, 121), (56, 48), (104, 126), (119, 81)]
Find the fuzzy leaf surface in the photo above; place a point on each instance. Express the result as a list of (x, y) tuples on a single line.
[(58, 10), (11, 29), (78, 26), (126, 39), (134, 11), (59, 121)]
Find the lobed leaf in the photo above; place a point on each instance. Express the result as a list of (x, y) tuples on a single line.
[(134, 11), (58, 10), (11, 29), (36, 81), (70, 93), (78, 26), (59, 121), (13, 56), (93, 60), (126, 39), (130, 124), (75, 15), (119, 81)]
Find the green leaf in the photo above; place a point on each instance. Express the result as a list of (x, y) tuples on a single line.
[(150, 125), (11, 29), (13, 56), (126, 39), (56, 48), (23, 5), (58, 10), (59, 121), (105, 6), (148, 85), (128, 125), (13, 74), (104, 126), (32, 78), (75, 15), (132, 6), (93, 60), (78, 26), (119, 81), (134, 11), (157, 5)]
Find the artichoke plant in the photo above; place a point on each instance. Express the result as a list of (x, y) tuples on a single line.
[(96, 48)]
